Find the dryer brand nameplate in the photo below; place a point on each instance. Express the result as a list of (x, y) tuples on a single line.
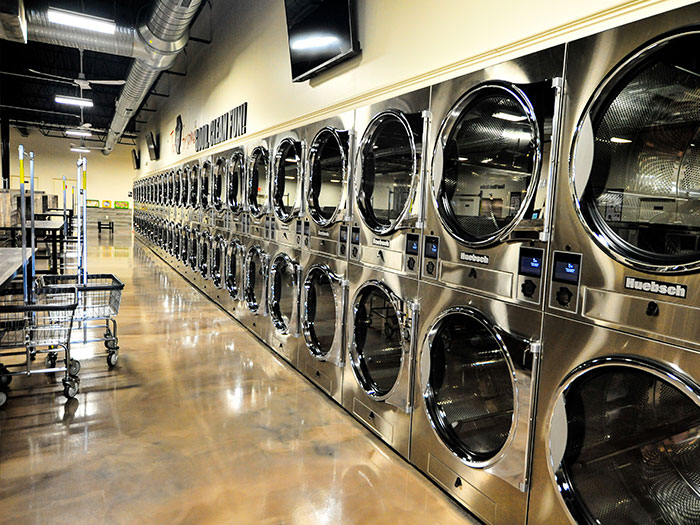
[(656, 287), (474, 258)]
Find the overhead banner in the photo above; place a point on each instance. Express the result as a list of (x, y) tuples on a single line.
[(230, 125)]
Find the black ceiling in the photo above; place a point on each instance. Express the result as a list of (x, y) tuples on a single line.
[(26, 100)]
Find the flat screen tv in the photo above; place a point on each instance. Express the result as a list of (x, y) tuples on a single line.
[(152, 146), (321, 34)]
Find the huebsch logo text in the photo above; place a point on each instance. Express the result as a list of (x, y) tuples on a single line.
[(474, 258), (660, 288)]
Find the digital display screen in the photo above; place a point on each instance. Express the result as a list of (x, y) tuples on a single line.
[(355, 236), (531, 262), (298, 227), (566, 271), (431, 247), (343, 234), (412, 246), (321, 33), (307, 228)]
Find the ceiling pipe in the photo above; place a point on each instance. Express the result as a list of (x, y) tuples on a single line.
[(154, 45), (163, 36)]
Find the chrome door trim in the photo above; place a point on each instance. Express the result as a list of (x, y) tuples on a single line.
[(237, 208), (297, 207), (293, 322), (255, 210), (264, 263), (344, 152), (447, 126), (234, 246)]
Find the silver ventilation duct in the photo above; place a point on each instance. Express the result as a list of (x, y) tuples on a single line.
[(163, 36), (154, 46)]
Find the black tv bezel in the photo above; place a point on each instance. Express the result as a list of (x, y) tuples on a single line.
[(342, 57), (152, 138), (135, 159)]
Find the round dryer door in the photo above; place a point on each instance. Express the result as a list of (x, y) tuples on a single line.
[(177, 239), (177, 182), (204, 185), (259, 166), (388, 164), (204, 253), (328, 165), (287, 179), (322, 303), (193, 248), (636, 159), (194, 186), (218, 182), (235, 182), (185, 188), (234, 261), (218, 255), (626, 445), (255, 279), (284, 292), (184, 242), (377, 348), (468, 386), (486, 164)]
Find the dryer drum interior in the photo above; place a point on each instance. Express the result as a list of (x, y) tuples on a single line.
[(177, 178), (328, 169), (218, 181), (287, 179), (176, 241), (232, 265), (283, 289), (217, 262), (320, 312), (258, 181), (204, 185), (389, 162), (469, 396), (204, 249), (377, 350), (632, 452), (171, 188), (194, 185), (234, 182), (255, 279), (192, 250), (491, 156), (185, 188), (184, 245), (641, 190)]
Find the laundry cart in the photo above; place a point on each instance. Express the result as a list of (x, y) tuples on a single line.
[(39, 324), (99, 297)]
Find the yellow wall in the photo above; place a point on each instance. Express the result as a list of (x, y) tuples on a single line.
[(109, 178), (406, 44)]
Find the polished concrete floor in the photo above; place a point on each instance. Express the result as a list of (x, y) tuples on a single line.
[(199, 423)]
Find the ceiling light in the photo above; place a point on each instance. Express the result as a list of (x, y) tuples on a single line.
[(74, 101), (79, 150), (618, 140), (78, 133), (509, 117), (335, 180), (81, 21)]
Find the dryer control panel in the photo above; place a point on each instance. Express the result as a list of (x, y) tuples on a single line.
[(566, 277), (430, 255), (530, 266), (410, 263)]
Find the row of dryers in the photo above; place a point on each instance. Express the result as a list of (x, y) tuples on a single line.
[(499, 276)]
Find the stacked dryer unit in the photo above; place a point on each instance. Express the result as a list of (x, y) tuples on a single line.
[(288, 155), (618, 416), (485, 249), (324, 237), (383, 272)]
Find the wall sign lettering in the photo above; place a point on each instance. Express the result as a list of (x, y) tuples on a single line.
[(230, 125)]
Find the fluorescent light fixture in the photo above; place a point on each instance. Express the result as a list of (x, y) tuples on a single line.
[(618, 140), (78, 133), (80, 150), (81, 21), (74, 101), (335, 180), (509, 117)]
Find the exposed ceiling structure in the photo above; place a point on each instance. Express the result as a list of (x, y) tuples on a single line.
[(27, 91)]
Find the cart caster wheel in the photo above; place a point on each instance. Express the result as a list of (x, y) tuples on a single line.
[(50, 361), (111, 344), (5, 380), (70, 388), (74, 367), (3, 397), (112, 359)]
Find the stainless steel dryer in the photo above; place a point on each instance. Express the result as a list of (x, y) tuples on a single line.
[(234, 275), (626, 247), (388, 183), (382, 329), (258, 187), (287, 188), (474, 400), (323, 307), (255, 280), (204, 259), (618, 429), (283, 292), (492, 171), (328, 184), (235, 188)]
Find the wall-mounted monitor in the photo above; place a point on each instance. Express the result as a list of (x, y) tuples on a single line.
[(321, 34), (135, 160), (153, 152)]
